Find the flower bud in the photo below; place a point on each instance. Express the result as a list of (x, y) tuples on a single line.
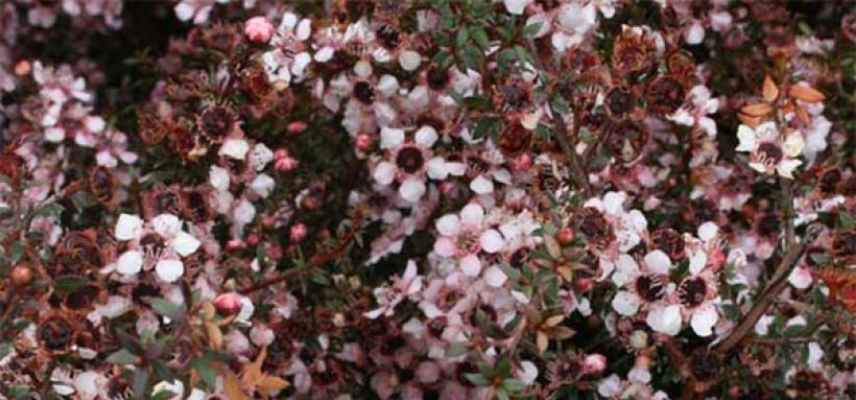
[(297, 232), (21, 275), (285, 164), (522, 162), (279, 154), (258, 29), (593, 364), (296, 127), (228, 303), (364, 142), (23, 68), (565, 236)]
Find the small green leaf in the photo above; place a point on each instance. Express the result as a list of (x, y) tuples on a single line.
[(462, 38), (532, 29), (167, 308), (476, 379), (122, 357), (70, 283), (480, 37), (202, 365), (513, 385)]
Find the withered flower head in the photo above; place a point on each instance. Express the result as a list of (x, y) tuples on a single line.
[(681, 64), (625, 139), (513, 95), (151, 128), (633, 52), (102, 184), (11, 166), (669, 241), (665, 95), (848, 27), (829, 180), (162, 200), (216, 122), (844, 246), (221, 37), (437, 77), (514, 139), (619, 101), (806, 384), (185, 143), (596, 228), (56, 332), (195, 204), (78, 252)]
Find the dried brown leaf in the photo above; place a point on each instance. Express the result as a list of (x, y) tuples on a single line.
[(770, 91), (806, 93)]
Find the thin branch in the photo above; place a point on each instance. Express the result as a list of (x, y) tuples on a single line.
[(316, 261), (774, 287)]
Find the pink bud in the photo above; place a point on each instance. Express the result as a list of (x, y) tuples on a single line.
[(296, 127), (252, 239), (235, 244), (364, 142), (522, 162), (285, 164), (23, 68), (594, 364), (258, 29), (228, 303), (584, 284), (297, 232), (279, 154), (565, 236)]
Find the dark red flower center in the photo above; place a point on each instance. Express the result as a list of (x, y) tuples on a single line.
[(410, 159)]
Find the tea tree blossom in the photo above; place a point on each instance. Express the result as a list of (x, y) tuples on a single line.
[(771, 151)]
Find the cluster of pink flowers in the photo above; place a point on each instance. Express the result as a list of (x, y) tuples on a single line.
[(455, 200)]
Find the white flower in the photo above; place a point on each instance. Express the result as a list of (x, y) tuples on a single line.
[(626, 303), (260, 157), (494, 276), (235, 148), (244, 212), (800, 278), (263, 185), (169, 270), (769, 153), (128, 227), (694, 34), (665, 320), (515, 7), (166, 225), (219, 178), (130, 262), (409, 60)]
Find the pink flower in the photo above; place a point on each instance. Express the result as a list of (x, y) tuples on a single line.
[(228, 303), (258, 29), (388, 298), (463, 236), (594, 364), (297, 232)]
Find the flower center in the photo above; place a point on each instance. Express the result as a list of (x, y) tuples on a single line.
[(769, 225), (619, 101), (410, 160), (216, 122), (693, 292), (595, 226), (670, 242), (363, 92), (437, 78), (650, 288), (389, 37), (468, 242), (665, 95), (770, 153), (845, 244), (55, 333), (626, 139), (514, 140), (101, 184)]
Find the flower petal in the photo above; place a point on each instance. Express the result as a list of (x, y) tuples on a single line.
[(391, 137), (665, 320), (703, 320), (412, 189), (494, 276), (658, 262), (128, 227), (169, 270), (625, 303), (130, 263), (491, 241)]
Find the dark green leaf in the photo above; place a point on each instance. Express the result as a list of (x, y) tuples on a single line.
[(122, 357)]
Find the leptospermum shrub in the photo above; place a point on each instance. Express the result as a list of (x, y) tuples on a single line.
[(427, 199)]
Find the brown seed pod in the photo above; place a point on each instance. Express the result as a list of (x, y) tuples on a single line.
[(514, 140), (633, 52), (21, 275), (665, 95), (625, 139), (102, 185)]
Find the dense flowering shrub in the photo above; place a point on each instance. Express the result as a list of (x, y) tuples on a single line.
[(427, 199)]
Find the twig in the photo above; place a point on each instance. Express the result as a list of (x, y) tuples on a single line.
[(774, 287), (578, 173), (314, 262)]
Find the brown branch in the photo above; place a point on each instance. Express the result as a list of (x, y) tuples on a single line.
[(766, 298), (578, 172), (314, 262)]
